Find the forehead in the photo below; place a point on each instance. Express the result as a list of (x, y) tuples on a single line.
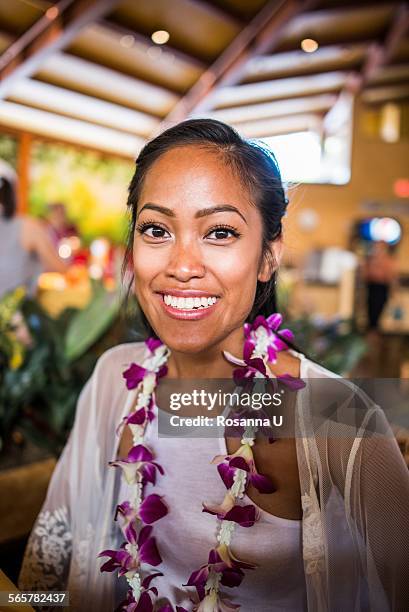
[(192, 172)]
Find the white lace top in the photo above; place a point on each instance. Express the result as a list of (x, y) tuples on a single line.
[(354, 494)]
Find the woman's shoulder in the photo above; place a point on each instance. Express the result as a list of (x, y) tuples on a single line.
[(117, 358)]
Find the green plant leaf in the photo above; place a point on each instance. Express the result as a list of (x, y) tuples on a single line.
[(88, 325)]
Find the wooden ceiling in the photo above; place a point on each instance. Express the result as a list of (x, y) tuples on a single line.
[(87, 71)]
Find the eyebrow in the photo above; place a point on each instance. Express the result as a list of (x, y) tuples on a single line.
[(204, 212)]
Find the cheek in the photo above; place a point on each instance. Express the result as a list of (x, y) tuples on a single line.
[(145, 266), (236, 268)]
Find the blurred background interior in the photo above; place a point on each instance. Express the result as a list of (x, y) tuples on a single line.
[(84, 84)]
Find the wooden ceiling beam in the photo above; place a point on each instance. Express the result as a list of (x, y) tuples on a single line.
[(380, 54), (51, 33), (260, 36)]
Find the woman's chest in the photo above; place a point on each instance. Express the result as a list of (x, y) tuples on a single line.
[(187, 462)]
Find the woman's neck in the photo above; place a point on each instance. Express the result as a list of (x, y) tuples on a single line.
[(209, 363)]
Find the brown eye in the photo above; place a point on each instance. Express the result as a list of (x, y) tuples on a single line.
[(155, 232), (152, 230), (222, 233)]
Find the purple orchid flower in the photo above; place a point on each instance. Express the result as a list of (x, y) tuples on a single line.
[(250, 367), (127, 560), (222, 561), (242, 459), (136, 373), (152, 509), (139, 464), (267, 339), (245, 516)]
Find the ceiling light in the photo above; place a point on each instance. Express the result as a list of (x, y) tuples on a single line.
[(52, 13), (160, 37), (309, 45)]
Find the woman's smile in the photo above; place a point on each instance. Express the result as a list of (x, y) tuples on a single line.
[(189, 305)]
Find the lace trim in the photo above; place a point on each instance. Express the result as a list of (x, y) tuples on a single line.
[(313, 542), (48, 552)]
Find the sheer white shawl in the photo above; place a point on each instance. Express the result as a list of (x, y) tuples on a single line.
[(354, 495)]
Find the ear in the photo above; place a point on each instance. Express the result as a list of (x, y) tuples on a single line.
[(271, 261)]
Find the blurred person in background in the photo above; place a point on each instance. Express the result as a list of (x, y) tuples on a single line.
[(58, 224), (381, 275), (25, 246)]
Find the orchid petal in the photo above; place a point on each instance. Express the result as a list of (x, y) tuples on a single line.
[(149, 473), (130, 533), (272, 353), (198, 577), (239, 463), (287, 334), (292, 383), (149, 553), (144, 603), (258, 364), (248, 349), (137, 418), (247, 329), (134, 375), (232, 577), (162, 371), (139, 453), (144, 534), (262, 483), (226, 474), (153, 344), (233, 359), (152, 509), (243, 515), (260, 321), (274, 321)]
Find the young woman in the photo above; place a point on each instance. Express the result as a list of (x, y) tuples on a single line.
[(307, 522)]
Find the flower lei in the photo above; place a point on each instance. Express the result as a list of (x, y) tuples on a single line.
[(262, 345)]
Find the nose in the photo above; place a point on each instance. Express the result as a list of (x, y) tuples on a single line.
[(185, 262)]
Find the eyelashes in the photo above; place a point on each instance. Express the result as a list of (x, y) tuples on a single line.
[(223, 227), (143, 227)]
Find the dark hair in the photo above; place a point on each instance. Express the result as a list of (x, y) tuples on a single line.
[(7, 198), (255, 166)]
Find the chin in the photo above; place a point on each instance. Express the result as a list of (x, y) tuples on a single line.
[(186, 342)]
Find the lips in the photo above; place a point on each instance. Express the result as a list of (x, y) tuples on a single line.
[(187, 304)]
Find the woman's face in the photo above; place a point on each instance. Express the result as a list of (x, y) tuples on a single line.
[(197, 250)]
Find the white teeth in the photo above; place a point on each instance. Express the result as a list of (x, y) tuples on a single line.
[(189, 303)]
